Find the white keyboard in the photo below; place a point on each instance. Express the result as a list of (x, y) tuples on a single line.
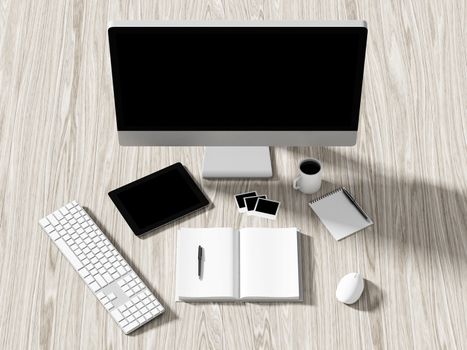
[(101, 266)]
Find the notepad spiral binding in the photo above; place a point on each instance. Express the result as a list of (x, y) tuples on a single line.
[(326, 195)]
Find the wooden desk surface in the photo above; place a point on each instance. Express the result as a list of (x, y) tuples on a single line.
[(58, 142)]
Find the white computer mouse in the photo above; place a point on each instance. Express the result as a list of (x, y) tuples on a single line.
[(350, 288)]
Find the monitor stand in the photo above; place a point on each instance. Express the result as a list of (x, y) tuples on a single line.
[(237, 162)]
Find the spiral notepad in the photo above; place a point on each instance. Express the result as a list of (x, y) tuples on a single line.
[(339, 214)]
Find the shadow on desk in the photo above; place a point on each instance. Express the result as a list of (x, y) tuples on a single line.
[(307, 268), (169, 315), (371, 298), (412, 215)]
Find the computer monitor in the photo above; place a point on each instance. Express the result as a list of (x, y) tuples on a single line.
[(224, 83)]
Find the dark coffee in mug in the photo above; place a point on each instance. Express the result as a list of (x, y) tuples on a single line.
[(310, 167)]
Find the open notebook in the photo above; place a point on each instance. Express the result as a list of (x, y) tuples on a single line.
[(250, 264)]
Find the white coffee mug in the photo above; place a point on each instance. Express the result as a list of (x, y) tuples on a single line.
[(309, 179)]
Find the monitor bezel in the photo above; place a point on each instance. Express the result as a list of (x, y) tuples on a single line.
[(130, 136)]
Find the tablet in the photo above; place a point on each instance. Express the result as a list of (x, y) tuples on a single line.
[(158, 199)]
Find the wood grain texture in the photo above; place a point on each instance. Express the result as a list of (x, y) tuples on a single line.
[(58, 142)]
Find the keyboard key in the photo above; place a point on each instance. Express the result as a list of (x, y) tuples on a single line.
[(116, 315), (94, 286), (107, 277), (130, 326), (54, 235), (44, 222), (52, 220), (84, 272), (100, 280), (58, 215), (68, 253)]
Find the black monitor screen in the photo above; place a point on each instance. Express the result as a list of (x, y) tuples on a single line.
[(237, 78)]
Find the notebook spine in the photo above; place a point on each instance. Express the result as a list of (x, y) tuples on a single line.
[(326, 195)]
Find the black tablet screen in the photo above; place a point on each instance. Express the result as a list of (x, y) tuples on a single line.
[(158, 198)]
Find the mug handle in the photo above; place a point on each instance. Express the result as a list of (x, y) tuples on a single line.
[(295, 183)]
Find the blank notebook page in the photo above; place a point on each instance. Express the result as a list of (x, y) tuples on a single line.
[(339, 215), (269, 263), (219, 264)]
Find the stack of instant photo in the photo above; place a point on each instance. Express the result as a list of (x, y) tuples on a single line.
[(257, 205)]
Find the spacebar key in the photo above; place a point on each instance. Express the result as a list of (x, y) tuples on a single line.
[(69, 254)]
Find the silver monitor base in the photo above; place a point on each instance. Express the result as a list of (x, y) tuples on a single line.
[(235, 162)]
